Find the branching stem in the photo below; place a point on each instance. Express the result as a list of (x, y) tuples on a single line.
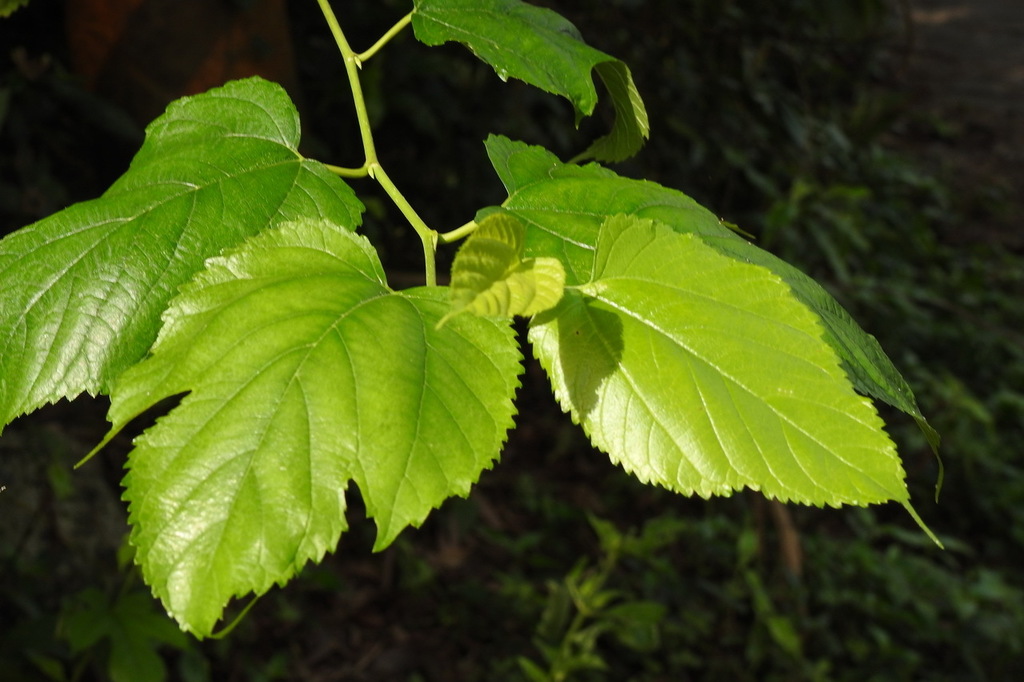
[(352, 70), (427, 235), (371, 165)]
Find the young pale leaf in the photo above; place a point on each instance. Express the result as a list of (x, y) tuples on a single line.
[(542, 48), (303, 371), (705, 375), (563, 206), (83, 289), (490, 278)]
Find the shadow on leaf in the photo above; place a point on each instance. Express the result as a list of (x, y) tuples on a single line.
[(589, 349)]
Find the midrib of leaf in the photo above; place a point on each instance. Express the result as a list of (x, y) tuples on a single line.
[(266, 286), (426, 384), (681, 341), (119, 223), (679, 398), (115, 228), (538, 183), (249, 455)]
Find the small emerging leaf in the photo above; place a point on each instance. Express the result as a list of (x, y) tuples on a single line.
[(489, 277), (542, 48)]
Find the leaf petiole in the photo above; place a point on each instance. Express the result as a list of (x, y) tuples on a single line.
[(227, 629), (458, 233), (385, 39), (343, 172)]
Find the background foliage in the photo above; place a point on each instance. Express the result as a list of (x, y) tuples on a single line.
[(782, 117)]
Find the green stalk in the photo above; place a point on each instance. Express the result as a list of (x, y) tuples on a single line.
[(386, 38), (352, 70), (371, 166), (427, 235), (458, 233), (347, 172)]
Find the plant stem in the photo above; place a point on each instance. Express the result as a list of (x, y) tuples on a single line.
[(347, 172), (427, 235), (386, 38), (352, 70), (371, 166), (458, 233)]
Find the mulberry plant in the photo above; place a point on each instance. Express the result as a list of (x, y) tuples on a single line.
[(225, 267)]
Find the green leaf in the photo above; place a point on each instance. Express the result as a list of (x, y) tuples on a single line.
[(490, 278), (132, 627), (7, 7), (83, 289), (635, 624), (303, 372), (86, 619), (139, 631), (867, 365), (563, 206), (706, 375), (631, 127), (542, 48)]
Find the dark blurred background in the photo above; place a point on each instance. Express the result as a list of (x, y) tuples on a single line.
[(877, 144)]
